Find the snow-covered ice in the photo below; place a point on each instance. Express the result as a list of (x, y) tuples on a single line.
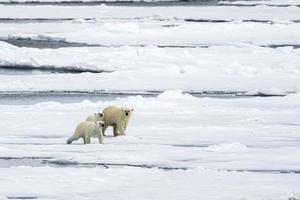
[(121, 33), (239, 68), (177, 146), (234, 60), (207, 137), (150, 13), (263, 2)]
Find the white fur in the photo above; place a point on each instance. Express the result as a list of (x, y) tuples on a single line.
[(117, 118), (86, 130), (95, 117)]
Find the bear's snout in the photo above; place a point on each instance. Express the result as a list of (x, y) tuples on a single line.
[(102, 125), (126, 114)]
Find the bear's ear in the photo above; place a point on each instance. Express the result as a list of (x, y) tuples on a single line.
[(132, 109)]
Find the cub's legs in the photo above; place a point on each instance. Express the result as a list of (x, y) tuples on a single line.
[(100, 137), (72, 138), (87, 139)]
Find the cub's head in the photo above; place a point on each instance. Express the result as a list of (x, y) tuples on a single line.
[(99, 116), (127, 112), (100, 123)]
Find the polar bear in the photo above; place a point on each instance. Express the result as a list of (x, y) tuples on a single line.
[(118, 118), (95, 117), (86, 130)]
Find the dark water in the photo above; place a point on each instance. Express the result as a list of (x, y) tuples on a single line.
[(121, 3), (6, 162), (43, 43), (21, 197), (55, 44), (27, 97), (144, 3), (32, 70)]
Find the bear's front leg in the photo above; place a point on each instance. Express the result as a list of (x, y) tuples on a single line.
[(125, 125), (104, 129), (100, 137), (121, 128), (87, 139)]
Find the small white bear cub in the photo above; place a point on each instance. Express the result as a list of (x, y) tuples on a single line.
[(118, 118), (95, 117), (86, 130)]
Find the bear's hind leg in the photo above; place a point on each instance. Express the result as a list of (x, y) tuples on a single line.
[(115, 128), (71, 139)]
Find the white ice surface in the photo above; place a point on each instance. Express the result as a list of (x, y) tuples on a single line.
[(210, 138), (120, 33), (207, 136), (145, 184), (231, 65), (263, 2), (241, 68), (151, 13)]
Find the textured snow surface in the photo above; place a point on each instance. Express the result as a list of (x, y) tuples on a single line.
[(234, 59), (124, 183), (242, 68), (264, 2), (151, 13), (206, 137), (130, 33), (177, 146)]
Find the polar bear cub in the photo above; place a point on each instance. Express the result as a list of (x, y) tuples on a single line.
[(86, 130), (118, 118), (95, 117)]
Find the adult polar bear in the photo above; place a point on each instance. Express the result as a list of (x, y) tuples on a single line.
[(86, 130), (118, 118)]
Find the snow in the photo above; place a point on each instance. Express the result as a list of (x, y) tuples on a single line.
[(174, 130), (263, 2), (126, 183), (249, 126), (122, 33), (177, 146), (237, 68), (234, 60), (231, 147), (167, 13)]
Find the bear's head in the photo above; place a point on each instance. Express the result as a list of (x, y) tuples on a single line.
[(127, 112), (100, 123), (99, 116)]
